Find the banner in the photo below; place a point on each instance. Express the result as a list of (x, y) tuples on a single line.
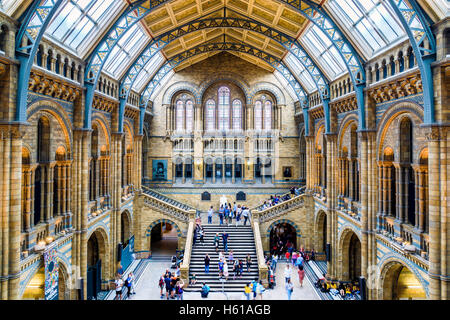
[(51, 274), (127, 254)]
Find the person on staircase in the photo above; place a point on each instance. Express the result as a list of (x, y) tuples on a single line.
[(225, 270), (249, 262), (210, 214), (221, 213), (217, 241), (225, 240), (205, 290), (207, 261), (230, 257), (238, 214), (245, 214), (202, 234)]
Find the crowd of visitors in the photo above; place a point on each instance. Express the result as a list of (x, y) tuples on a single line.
[(347, 291), (228, 212), (277, 199), (172, 284)]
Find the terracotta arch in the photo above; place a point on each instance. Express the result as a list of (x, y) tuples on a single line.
[(148, 233), (104, 251), (320, 231)]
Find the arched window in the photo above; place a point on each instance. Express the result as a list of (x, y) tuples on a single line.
[(189, 116), (224, 108), (179, 115), (258, 115), (268, 115), (210, 115), (237, 115)]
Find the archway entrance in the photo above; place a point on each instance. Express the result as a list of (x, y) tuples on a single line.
[(321, 232), (401, 284), (96, 252), (35, 289), (63, 284), (163, 239), (350, 256), (282, 236), (125, 231)]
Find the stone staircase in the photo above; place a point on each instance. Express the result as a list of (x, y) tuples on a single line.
[(241, 241), (166, 199)]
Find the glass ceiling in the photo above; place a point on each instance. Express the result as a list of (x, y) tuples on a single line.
[(148, 71), (79, 19), (371, 24), (372, 21), (301, 73), (126, 50)]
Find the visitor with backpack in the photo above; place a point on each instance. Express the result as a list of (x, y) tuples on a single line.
[(179, 289), (161, 285)]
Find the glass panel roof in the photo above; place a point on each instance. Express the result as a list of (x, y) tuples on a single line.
[(126, 49), (78, 19), (301, 73), (161, 85), (372, 21), (148, 72), (285, 85), (322, 49)]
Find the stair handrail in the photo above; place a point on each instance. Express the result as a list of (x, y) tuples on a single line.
[(262, 267), (161, 194), (184, 269), (282, 208), (259, 206), (167, 208)]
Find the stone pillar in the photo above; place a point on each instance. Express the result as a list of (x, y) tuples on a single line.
[(331, 194), (438, 212), (363, 140)]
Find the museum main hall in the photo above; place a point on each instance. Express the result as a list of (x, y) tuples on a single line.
[(224, 149)]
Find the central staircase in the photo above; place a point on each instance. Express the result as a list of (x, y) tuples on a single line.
[(241, 241)]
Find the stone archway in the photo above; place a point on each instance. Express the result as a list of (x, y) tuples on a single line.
[(286, 231), (349, 256), (126, 225), (398, 282), (64, 284), (97, 259), (165, 237), (320, 231)]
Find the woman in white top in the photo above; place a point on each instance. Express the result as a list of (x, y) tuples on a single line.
[(287, 272), (225, 270), (119, 285)]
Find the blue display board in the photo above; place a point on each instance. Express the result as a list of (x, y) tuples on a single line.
[(159, 170)]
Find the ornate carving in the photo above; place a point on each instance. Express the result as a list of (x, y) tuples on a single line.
[(52, 86)]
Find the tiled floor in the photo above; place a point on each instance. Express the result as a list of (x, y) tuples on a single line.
[(147, 287)]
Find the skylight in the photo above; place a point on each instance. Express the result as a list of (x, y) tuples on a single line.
[(371, 20), (320, 47), (148, 72), (79, 19), (300, 72), (126, 49)]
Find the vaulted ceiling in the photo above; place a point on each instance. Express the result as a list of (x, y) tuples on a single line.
[(271, 13)]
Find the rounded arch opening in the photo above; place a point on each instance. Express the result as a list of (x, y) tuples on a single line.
[(283, 237), (400, 283), (350, 256), (164, 237)]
